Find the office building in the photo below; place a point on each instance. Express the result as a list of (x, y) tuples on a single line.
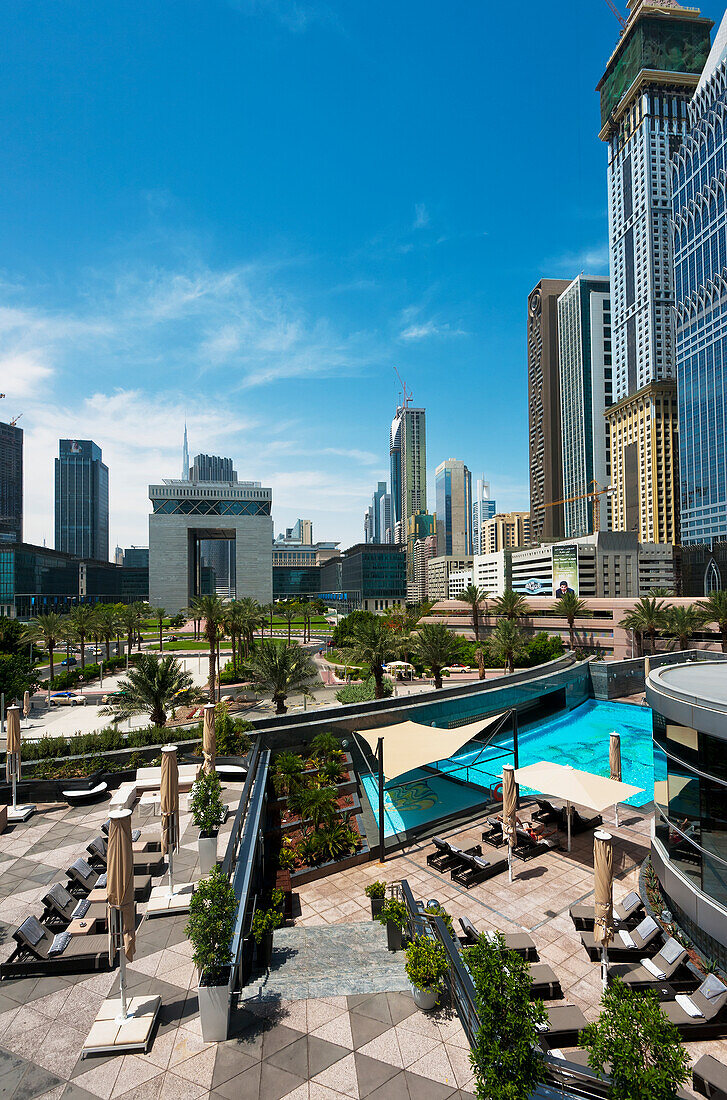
[(82, 500), (453, 482), (421, 526), (505, 531), (297, 567), (408, 458), (187, 518), (546, 474), (136, 557), (11, 483), (212, 468), (644, 93), (423, 551), (185, 455), (584, 357), (377, 521), (483, 507), (439, 570), (458, 581), (606, 564), (373, 576), (492, 573), (700, 259)]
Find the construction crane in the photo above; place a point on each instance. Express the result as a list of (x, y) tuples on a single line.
[(617, 13), (15, 421), (407, 393), (595, 496)]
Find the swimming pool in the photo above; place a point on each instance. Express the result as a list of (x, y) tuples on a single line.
[(579, 737)]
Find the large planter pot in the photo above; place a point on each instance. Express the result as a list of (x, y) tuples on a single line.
[(265, 951), (377, 904), (425, 999), (207, 846), (394, 937), (214, 1012)]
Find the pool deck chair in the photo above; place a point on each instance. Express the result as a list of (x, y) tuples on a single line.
[(547, 812), (493, 833), (61, 908), (138, 842), (581, 823), (472, 869), (446, 855), (544, 983), (709, 1078), (145, 863), (520, 942), (628, 912), (565, 1022), (702, 1014), (82, 879), (39, 952), (667, 965), (527, 847), (626, 944)]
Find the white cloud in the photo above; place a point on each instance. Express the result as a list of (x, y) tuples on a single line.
[(425, 329), (421, 216), (590, 261), (295, 15)]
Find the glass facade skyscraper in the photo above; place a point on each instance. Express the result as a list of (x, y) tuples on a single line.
[(453, 483), (11, 483), (699, 190), (483, 508), (82, 500), (408, 456)]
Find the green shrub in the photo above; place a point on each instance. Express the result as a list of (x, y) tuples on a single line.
[(264, 922), (426, 962), (287, 857), (393, 911), (212, 911), (375, 890), (363, 693), (207, 811), (439, 911), (334, 841), (326, 746)]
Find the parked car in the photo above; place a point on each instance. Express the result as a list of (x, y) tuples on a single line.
[(69, 661), (67, 699), (111, 695)]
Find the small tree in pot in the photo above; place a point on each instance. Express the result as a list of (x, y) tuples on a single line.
[(376, 891), (208, 814), (426, 965), (264, 923), (211, 923), (394, 915)]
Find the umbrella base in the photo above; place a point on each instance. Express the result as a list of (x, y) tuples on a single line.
[(20, 813), (161, 902), (110, 1034)]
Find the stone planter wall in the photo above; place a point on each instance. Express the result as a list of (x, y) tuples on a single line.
[(312, 874)]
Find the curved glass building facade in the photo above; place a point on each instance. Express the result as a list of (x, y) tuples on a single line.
[(689, 849)]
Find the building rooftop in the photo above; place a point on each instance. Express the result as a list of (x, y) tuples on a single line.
[(703, 684)]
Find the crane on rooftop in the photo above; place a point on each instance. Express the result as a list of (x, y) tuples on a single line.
[(407, 393), (614, 10), (594, 496)]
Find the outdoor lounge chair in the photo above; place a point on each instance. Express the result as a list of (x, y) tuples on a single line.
[(626, 944), (547, 812), (83, 879), (709, 1077), (701, 1014), (472, 869), (493, 833), (580, 823), (544, 983), (61, 908), (145, 863), (446, 855), (667, 965), (627, 912), (520, 942), (39, 951), (138, 844), (527, 847), (565, 1022)]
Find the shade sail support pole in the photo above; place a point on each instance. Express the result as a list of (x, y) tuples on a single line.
[(570, 812), (380, 758), (516, 754)]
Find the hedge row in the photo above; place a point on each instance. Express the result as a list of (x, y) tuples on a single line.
[(106, 740), (73, 676)]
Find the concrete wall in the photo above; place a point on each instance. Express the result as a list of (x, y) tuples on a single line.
[(614, 679)]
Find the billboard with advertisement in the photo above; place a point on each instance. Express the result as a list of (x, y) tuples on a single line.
[(565, 568)]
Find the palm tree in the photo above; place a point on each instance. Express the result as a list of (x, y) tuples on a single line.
[(682, 622), (715, 611), (472, 595), (648, 616), (68, 634), (316, 804), (287, 611), (48, 630), (506, 642), (511, 605), (436, 648), (251, 618), (107, 619), (130, 619), (570, 607), (154, 686), (82, 622), (212, 610), (160, 614), (289, 767), (372, 644), (279, 669)]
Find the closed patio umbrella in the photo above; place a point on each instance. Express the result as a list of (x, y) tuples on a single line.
[(509, 800), (603, 895), (12, 758), (614, 762), (209, 746), (120, 895), (26, 705), (170, 808)]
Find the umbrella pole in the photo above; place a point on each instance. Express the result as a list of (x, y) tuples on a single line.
[(119, 935), (509, 862), (604, 965), (15, 785), (569, 828), (615, 810)]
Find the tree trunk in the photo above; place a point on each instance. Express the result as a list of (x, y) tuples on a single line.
[(82, 640), (219, 669), (280, 707), (161, 642), (51, 647), (572, 636), (211, 675), (481, 664), (158, 717), (378, 682), (437, 678), (289, 625), (108, 647)]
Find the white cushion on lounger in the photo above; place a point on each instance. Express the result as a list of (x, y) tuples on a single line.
[(671, 950), (631, 902), (688, 1005), (482, 863), (647, 927), (626, 938), (653, 969)]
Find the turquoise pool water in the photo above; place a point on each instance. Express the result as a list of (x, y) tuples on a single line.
[(579, 737)]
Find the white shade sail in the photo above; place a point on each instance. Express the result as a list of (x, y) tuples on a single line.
[(583, 788), (410, 745)]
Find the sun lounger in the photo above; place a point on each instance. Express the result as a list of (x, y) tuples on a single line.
[(446, 855), (565, 1022), (580, 823), (520, 942), (472, 868), (40, 951), (493, 833), (701, 1014), (667, 965), (627, 912), (627, 944), (61, 908), (145, 862), (544, 983), (547, 812), (83, 879), (527, 847), (709, 1078)]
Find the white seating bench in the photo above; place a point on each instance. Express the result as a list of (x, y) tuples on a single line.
[(88, 792), (150, 779), (124, 798)]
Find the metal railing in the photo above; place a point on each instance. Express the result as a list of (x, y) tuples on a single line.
[(248, 864), (234, 837)]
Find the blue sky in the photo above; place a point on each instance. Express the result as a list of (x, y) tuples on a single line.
[(248, 212)]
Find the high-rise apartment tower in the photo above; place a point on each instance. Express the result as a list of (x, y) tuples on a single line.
[(11, 483), (408, 455), (82, 500), (483, 507), (453, 482), (546, 473)]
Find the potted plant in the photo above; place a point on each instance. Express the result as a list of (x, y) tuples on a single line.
[(376, 891), (264, 923), (212, 910), (207, 814), (394, 915), (426, 965)]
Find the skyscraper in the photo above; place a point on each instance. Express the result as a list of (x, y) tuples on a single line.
[(546, 474), (212, 468), (483, 507), (644, 92), (408, 456), (700, 258), (377, 519), (82, 500), (453, 482), (11, 483), (185, 455), (584, 342)]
